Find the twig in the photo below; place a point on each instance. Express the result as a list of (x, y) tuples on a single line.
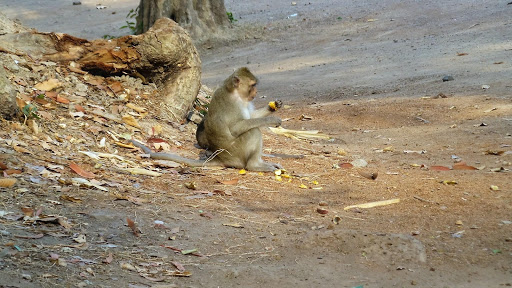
[(425, 200), (214, 154)]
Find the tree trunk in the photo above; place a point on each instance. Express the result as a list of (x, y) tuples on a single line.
[(164, 55), (200, 18), (8, 108)]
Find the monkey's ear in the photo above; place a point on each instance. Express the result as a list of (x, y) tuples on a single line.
[(236, 81)]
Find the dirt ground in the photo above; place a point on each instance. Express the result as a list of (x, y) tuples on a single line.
[(366, 73)]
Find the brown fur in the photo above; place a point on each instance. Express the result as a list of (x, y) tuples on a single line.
[(231, 128)]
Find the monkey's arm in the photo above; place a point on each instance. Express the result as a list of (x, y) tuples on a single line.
[(265, 111), (262, 112), (245, 125)]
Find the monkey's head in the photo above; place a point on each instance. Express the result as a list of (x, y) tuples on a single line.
[(244, 82)]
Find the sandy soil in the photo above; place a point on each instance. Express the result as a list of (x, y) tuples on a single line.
[(367, 73)]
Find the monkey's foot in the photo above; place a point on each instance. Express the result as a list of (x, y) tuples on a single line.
[(265, 167)]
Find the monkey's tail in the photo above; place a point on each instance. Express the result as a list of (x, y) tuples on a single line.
[(173, 157)]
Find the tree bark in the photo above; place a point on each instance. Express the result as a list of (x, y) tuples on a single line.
[(201, 18), (164, 55)]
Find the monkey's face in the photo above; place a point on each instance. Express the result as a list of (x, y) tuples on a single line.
[(253, 90), (248, 89), (245, 87)]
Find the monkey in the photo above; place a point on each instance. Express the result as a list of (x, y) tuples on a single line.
[(231, 128)]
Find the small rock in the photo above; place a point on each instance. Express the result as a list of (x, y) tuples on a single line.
[(359, 163), (77, 3), (485, 87), (448, 78)]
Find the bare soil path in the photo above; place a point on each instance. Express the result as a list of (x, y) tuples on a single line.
[(367, 73)]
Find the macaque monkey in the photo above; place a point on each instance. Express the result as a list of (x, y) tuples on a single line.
[(231, 128)]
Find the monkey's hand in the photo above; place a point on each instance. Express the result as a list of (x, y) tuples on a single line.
[(274, 121), (274, 105)]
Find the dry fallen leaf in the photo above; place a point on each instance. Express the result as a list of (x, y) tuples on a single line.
[(79, 108), (64, 223), (136, 108), (206, 215), (80, 239), (229, 182), (78, 170), (190, 185), (463, 166), (7, 182), (440, 168), (109, 258), (48, 85), (116, 86), (322, 210), (140, 171), (33, 236), (27, 211), (20, 149), (346, 165), (178, 266), (70, 198), (130, 120), (62, 99), (132, 226)]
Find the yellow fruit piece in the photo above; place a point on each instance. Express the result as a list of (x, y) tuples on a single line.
[(302, 186), (272, 105), (278, 178), (315, 182), (242, 172)]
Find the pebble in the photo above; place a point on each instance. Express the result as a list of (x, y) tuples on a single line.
[(359, 163), (448, 78)]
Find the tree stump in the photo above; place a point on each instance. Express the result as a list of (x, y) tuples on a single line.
[(164, 55)]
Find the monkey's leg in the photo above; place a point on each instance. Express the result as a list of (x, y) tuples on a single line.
[(202, 141), (254, 146)]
